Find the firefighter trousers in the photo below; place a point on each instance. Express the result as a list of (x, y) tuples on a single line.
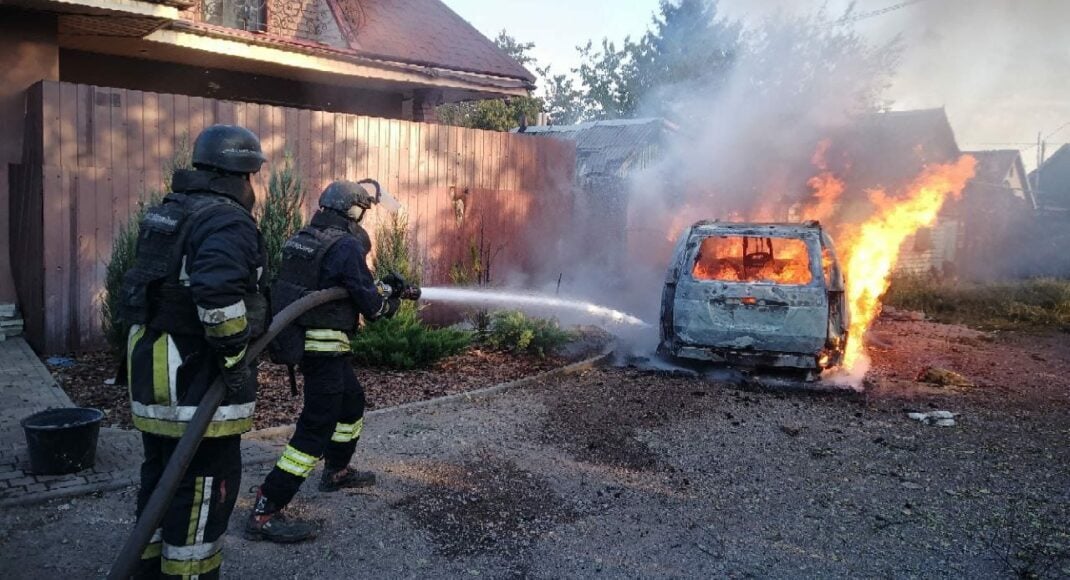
[(189, 541), (329, 426)]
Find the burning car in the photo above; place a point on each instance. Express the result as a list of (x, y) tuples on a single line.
[(755, 295)]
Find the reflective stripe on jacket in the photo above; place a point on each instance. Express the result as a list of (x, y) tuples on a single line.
[(168, 375)]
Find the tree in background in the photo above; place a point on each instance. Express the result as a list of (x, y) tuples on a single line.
[(690, 51), (689, 48), (562, 101), (497, 114)]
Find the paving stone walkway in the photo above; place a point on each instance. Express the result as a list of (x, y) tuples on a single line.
[(26, 387)]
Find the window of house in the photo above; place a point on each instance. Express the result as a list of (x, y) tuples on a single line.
[(241, 14)]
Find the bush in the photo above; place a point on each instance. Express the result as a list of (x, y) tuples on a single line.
[(404, 343), (124, 250), (395, 249), (280, 215), (516, 332), (1019, 305)]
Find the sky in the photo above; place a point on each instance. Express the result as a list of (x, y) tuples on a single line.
[(1001, 68)]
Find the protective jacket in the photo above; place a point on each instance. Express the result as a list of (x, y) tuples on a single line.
[(193, 301), (323, 255)]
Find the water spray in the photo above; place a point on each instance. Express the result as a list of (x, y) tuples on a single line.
[(528, 300)]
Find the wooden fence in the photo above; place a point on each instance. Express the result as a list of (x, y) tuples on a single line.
[(93, 152)]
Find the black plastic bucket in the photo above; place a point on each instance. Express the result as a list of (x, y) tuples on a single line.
[(62, 440)]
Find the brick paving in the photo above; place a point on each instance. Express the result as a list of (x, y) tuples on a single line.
[(26, 387)]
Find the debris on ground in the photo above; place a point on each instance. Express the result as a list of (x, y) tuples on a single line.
[(943, 378), (61, 362), (938, 418)]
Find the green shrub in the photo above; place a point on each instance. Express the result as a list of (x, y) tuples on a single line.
[(1024, 305), (124, 250), (516, 332), (404, 343), (395, 249), (280, 216)]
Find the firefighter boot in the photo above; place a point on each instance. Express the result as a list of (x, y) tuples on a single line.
[(267, 522), (336, 479)]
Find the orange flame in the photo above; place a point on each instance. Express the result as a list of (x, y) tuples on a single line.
[(872, 248)]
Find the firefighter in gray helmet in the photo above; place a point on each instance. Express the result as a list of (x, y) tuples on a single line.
[(193, 301), (331, 252)]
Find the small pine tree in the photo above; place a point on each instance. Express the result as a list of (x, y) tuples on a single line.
[(281, 215), (395, 249), (516, 332), (124, 250), (404, 343)]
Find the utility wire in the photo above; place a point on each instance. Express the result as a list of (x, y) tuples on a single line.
[(1061, 127), (874, 13)]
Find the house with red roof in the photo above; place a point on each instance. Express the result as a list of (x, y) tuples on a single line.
[(97, 95)]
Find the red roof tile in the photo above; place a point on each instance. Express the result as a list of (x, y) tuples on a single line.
[(425, 32)]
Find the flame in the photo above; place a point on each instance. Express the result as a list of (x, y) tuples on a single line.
[(872, 248), (827, 191), (827, 187)]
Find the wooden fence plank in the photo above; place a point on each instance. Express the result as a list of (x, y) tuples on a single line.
[(183, 127), (364, 151), (197, 115), (84, 125), (68, 126), (135, 144), (341, 141), (166, 115)]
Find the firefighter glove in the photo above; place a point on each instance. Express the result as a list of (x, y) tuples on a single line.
[(237, 376), (391, 307)]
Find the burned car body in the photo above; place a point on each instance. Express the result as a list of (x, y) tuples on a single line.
[(757, 295)]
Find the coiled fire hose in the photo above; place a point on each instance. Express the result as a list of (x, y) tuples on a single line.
[(161, 497)]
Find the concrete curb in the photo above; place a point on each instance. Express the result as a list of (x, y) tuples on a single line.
[(128, 478), (74, 491)]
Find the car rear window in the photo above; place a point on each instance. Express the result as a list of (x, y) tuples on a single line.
[(753, 259)]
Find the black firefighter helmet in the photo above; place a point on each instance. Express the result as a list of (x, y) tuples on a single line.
[(350, 199), (229, 149)]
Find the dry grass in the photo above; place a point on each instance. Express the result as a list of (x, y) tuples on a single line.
[(1036, 304)]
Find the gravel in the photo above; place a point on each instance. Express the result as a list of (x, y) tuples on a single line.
[(626, 473)]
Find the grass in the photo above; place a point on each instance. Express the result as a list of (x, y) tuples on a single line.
[(1036, 304)]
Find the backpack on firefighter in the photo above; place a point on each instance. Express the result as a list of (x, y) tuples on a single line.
[(302, 259)]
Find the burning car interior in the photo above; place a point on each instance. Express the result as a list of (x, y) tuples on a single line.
[(753, 259)]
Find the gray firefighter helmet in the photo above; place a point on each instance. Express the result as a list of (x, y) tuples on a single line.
[(349, 198), (228, 148)]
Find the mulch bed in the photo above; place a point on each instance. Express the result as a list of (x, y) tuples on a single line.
[(85, 379)]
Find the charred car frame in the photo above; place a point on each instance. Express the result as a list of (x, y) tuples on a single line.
[(755, 295)]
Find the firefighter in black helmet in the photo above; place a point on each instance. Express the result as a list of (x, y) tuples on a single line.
[(193, 301), (331, 252)]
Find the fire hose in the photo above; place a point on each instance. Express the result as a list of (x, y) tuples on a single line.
[(161, 497)]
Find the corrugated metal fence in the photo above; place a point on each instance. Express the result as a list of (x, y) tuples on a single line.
[(93, 152)]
